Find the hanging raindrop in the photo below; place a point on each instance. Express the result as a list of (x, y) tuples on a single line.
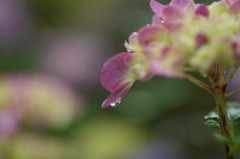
[(116, 103)]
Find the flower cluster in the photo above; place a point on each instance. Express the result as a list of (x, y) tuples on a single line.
[(184, 36), (36, 100)]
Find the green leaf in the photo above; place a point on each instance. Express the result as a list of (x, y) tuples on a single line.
[(236, 130), (233, 109), (212, 121)]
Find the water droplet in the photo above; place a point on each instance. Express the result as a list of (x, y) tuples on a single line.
[(162, 21), (116, 103)]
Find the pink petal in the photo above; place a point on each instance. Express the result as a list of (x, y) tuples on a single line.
[(159, 21), (201, 39), (133, 39), (227, 1), (202, 10), (181, 3), (159, 67), (114, 72), (128, 46), (172, 13), (115, 98), (235, 6), (156, 7), (163, 72), (148, 34)]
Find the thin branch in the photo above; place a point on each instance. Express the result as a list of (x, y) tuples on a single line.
[(199, 83), (232, 93), (231, 74)]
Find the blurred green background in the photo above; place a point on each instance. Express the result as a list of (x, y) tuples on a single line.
[(51, 53)]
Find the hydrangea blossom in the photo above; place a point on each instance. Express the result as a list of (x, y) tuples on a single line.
[(183, 36), (41, 101)]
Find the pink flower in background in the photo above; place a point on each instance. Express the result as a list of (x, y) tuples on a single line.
[(39, 100), (15, 22), (73, 56), (9, 123)]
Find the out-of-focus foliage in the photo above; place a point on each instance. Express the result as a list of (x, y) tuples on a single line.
[(51, 53)]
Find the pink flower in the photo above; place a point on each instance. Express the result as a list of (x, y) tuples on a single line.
[(183, 37), (39, 100)]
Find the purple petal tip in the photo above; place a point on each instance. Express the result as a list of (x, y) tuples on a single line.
[(115, 98), (202, 10)]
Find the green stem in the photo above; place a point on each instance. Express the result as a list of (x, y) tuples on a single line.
[(219, 87), (224, 121), (199, 83)]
